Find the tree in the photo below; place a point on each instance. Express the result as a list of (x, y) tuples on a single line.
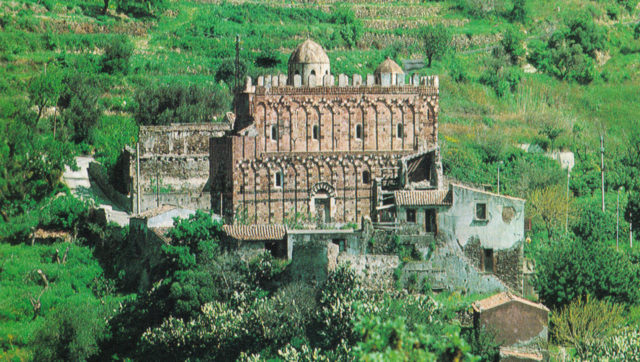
[(551, 205), (512, 42), (179, 103), (520, 11), (44, 89), (437, 41), (116, 55), (226, 72), (80, 107), (574, 269)]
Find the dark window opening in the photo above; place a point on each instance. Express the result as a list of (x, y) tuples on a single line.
[(316, 132), (342, 245), (274, 132), (481, 211), (276, 248), (411, 215), (366, 177), (430, 220), (399, 131), (313, 72), (487, 260), (278, 179), (359, 131)]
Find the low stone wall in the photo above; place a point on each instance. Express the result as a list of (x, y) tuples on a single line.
[(377, 271)]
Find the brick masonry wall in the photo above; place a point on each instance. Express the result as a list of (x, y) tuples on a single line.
[(321, 140)]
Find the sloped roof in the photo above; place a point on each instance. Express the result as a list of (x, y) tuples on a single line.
[(309, 52), (255, 232), (526, 355), (155, 211), (161, 233), (388, 66), (503, 298), (423, 198)]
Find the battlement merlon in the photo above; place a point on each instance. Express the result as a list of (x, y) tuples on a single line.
[(388, 83)]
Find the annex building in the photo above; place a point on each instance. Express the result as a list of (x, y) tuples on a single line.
[(315, 145)]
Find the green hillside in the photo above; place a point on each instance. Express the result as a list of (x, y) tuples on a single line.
[(79, 78)]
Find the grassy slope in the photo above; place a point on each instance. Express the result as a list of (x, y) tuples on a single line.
[(189, 40)]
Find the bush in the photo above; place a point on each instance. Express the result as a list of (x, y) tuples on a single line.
[(624, 346), (116, 55), (80, 107), (179, 103), (520, 11), (586, 321), (498, 75), (574, 269), (437, 41), (512, 42), (226, 72)]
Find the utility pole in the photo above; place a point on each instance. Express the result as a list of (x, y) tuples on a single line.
[(617, 218), (499, 163), (602, 167), (566, 221)]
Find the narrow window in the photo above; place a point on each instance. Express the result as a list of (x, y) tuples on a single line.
[(359, 131), (313, 72), (487, 260), (399, 131), (366, 177), (274, 133), (316, 132), (481, 211), (411, 215), (278, 179)]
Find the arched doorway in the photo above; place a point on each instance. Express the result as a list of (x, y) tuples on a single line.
[(322, 201)]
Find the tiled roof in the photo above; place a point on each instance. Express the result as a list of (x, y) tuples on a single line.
[(423, 198), (502, 298), (161, 233), (255, 232), (527, 355), (155, 211)]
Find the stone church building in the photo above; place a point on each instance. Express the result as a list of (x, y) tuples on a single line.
[(313, 144)]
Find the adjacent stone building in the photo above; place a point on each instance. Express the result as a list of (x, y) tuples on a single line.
[(171, 165), (304, 145)]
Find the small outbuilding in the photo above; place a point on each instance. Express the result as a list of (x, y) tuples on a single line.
[(518, 325), (250, 240)]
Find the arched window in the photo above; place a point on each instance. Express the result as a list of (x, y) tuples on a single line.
[(274, 132), (366, 177), (277, 179), (316, 132), (399, 131), (359, 131), (313, 72)]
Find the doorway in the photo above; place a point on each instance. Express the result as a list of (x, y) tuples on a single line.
[(323, 208), (430, 225)]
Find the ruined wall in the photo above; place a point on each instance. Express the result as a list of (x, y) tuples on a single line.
[(376, 271), (175, 158), (507, 263)]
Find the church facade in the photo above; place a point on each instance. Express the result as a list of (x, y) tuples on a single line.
[(313, 145)]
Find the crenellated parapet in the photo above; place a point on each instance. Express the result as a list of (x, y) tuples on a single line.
[(370, 83)]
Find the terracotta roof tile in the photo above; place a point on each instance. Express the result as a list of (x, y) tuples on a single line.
[(155, 211), (530, 355), (255, 232), (423, 198), (162, 234), (502, 298)]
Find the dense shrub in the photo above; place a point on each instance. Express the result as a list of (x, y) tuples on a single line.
[(570, 52), (179, 103), (571, 269), (513, 44), (80, 107), (623, 346), (585, 321), (116, 55), (226, 72)]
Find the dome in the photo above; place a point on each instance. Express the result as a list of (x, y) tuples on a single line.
[(388, 66), (309, 52)]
